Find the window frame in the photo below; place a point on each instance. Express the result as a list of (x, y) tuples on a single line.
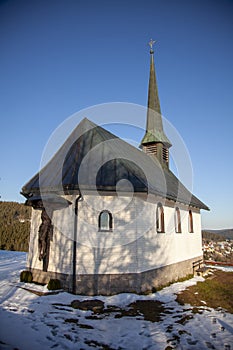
[(160, 224), (190, 221), (178, 226), (110, 222)]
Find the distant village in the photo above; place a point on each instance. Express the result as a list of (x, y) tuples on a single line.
[(215, 250)]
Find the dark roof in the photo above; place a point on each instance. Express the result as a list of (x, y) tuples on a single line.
[(93, 158)]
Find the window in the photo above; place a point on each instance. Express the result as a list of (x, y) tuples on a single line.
[(190, 223), (178, 220), (160, 218), (105, 221)]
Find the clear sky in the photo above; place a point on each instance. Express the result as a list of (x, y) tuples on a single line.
[(59, 57)]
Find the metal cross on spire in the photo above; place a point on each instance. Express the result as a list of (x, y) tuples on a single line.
[(151, 44)]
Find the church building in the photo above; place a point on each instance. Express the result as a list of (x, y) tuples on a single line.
[(108, 217)]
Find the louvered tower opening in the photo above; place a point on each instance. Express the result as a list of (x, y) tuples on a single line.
[(165, 155), (153, 149), (150, 149)]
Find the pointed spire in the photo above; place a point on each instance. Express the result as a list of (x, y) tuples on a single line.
[(153, 95), (154, 126)]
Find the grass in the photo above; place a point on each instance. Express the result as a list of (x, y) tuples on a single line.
[(215, 292)]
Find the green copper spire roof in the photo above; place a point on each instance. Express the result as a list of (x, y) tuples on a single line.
[(154, 125)]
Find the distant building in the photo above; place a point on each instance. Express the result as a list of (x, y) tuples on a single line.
[(104, 251)]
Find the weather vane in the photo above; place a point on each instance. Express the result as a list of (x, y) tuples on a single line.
[(151, 43)]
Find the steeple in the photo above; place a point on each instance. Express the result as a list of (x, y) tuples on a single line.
[(155, 142)]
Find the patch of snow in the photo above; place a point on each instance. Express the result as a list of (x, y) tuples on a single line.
[(222, 268)]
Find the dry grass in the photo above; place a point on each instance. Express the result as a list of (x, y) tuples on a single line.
[(216, 291)]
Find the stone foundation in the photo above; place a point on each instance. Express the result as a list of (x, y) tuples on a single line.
[(42, 277), (108, 284)]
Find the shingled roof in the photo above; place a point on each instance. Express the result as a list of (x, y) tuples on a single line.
[(92, 158)]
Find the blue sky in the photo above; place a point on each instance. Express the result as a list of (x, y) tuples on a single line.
[(59, 57)]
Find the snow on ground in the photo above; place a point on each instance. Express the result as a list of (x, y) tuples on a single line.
[(222, 268), (28, 321)]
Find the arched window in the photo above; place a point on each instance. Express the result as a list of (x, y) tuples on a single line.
[(105, 221), (160, 218), (178, 220), (190, 221)]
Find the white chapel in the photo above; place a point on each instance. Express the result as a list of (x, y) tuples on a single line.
[(129, 241)]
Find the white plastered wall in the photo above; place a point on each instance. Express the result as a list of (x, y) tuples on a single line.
[(33, 260), (61, 245), (133, 246)]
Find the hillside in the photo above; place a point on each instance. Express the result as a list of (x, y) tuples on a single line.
[(14, 226), (218, 235), (210, 236)]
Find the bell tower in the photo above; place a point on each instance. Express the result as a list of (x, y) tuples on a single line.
[(155, 142)]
